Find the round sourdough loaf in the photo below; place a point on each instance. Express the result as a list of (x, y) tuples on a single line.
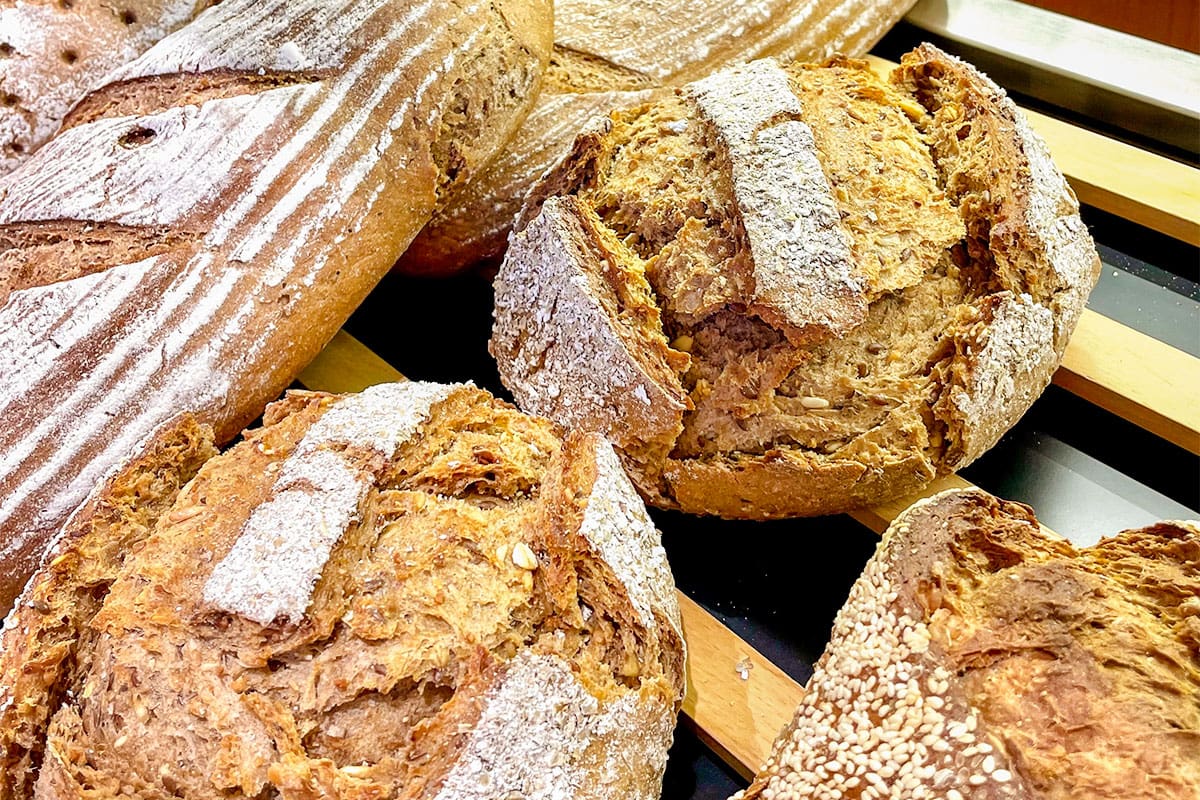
[(793, 291), (53, 51), (620, 53), (981, 657), (412, 592), (209, 216)]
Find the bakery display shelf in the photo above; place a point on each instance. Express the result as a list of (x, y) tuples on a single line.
[(745, 677)]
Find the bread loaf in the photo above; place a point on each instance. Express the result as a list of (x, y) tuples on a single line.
[(414, 592), (207, 220), (612, 54), (791, 291), (52, 51), (980, 657)]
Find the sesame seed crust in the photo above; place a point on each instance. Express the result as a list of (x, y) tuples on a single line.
[(911, 700)]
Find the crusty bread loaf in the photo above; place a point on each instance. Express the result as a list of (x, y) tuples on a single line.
[(208, 218), (980, 657), (413, 592), (790, 291), (612, 54), (53, 51)]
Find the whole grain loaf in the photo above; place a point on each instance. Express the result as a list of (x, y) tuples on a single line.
[(792, 291), (980, 657), (208, 218), (412, 592), (615, 53), (53, 51)]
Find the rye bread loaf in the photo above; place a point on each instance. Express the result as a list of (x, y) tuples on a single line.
[(205, 222), (53, 51), (615, 53), (980, 657), (794, 291), (413, 592)]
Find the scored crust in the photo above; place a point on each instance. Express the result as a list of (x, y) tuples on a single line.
[(804, 379), (979, 656), (612, 54), (213, 212), (413, 592)]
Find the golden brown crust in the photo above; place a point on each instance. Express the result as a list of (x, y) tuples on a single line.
[(979, 656), (599, 67), (50, 622), (850, 310), (287, 201), (369, 597)]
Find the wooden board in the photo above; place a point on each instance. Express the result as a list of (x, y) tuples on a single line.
[(1136, 377), (1142, 187)]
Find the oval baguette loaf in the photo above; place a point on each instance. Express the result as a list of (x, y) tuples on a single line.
[(53, 51), (612, 54), (207, 220), (413, 592), (796, 291), (980, 657)]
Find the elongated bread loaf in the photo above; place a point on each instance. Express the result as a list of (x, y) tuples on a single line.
[(53, 51), (611, 54), (206, 221), (979, 657), (413, 592), (793, 291)]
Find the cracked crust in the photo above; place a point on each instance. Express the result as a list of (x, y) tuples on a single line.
[(954, 267), (482, 609), (598, 65), (979, 656), (217, 210)]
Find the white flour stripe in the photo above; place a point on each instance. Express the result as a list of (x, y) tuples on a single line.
[(286, 155), (136, 355), (284, 263), (275, 562)]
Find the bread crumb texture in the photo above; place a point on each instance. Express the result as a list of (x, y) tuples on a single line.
[(796, 290), (414, 592), (980, 657)]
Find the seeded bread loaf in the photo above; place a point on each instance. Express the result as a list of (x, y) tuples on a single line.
[(980, 657), (793, 291), (615, 53), (53, 51), (414, 592), (207, 220)]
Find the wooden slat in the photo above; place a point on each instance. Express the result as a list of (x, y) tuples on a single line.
[(737, 717), (1135, 184), (347, 365), (1136, 377)]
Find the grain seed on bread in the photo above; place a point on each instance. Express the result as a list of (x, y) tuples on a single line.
[(413, 592), (980, 657), (796, 290)]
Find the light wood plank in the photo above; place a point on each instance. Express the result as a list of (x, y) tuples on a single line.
[(1136, 377), (1124, 180), (347, 365), (737, 717)]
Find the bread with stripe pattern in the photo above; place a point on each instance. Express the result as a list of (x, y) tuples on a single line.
[(52, 52), (207, 220), (611, 54), (796, 291), (980, 656), (415, 592)]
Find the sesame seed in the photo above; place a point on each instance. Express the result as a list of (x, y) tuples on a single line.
[(989, 764), (977, 780), (814, 402), (1002, 776)]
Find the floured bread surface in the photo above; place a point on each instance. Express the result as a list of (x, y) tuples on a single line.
[(414, 592), (611, 54), (53, 51), (980, 657), (827, 287)]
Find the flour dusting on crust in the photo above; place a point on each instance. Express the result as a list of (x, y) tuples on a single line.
[(282, 549), (543, 736)]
